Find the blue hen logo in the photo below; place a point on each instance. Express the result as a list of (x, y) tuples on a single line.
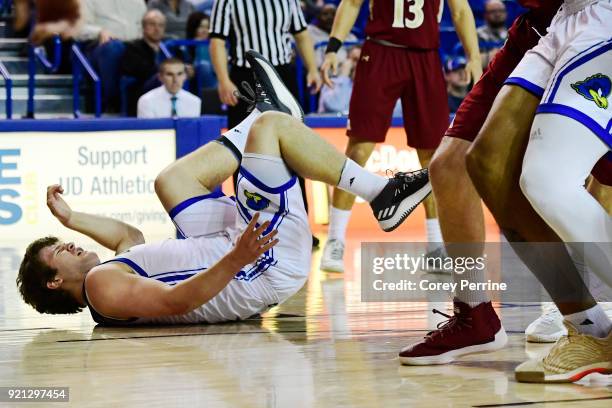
[(256, 201), (595, 88)]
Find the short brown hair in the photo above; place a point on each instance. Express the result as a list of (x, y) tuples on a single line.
[(32, 280), (169, 61)]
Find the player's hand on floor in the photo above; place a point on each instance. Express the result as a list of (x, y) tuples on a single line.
[(59, 208), (251, 244)]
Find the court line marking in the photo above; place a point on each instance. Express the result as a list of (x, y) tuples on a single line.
[(518, 404)]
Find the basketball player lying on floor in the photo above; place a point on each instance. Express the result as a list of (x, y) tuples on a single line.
[(217, 273)]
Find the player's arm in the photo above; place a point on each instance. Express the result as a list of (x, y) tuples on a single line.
[(220, 29), (218, 57), (113, 234), (346, 15), (463, 19), (306, 51), (114, 293)]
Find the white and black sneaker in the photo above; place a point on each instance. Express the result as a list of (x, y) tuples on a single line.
[(400, 197), (272, 92)]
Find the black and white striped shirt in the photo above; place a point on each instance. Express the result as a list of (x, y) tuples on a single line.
[(261, 25)]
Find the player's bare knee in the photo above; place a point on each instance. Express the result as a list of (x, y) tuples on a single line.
[(164, 178), (264, 134), (445, 166)]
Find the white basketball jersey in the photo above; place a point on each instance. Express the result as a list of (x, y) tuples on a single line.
[(173, 260)]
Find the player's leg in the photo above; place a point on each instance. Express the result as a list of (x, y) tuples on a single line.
[(370, 111), (549, 327), (280, 135), (359, 151), (570, 133), (425, 123), (494, 163), (458, 203), (557, 192), (462, 221), (432, 225), (201, 171), (332, 259), (188, 188)]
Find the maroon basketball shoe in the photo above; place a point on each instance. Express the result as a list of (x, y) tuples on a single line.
[(470, 330)]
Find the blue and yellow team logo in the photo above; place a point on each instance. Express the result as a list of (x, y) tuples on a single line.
[(256, 202), (595, 88)]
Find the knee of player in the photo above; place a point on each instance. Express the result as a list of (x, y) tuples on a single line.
[(163, 179), (533, 183), (443, 167), (270, 119)]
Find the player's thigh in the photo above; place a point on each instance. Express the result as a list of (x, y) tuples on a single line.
[(502, 140), (205, 215), (195, 174)]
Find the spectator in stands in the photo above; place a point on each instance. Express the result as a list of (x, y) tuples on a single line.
[(493, 34), (204, 6), (53, 17), (456, 82), (198, 26), (311, 8), (105, 20), (177, 12), (170, 99), (141, 57), (494, 30), (320, 30)]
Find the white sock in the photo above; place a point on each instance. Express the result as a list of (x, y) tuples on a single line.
[(593, 321), (472, 297), (238, 134), (338, 221), (357, 180), (434, 234)]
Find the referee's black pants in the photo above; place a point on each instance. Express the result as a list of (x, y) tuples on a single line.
[(236, 114)]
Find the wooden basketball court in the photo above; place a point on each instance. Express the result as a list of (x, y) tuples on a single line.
[(323, 348)]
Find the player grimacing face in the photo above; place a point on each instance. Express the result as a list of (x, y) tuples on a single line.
[(70, 260)]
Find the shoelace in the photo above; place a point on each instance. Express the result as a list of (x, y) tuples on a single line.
[(454, 322), (257, 95), (406, 178)]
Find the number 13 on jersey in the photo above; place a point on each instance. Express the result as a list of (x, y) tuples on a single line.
[(415, 7)]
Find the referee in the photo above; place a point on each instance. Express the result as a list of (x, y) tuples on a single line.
[(264, 26)]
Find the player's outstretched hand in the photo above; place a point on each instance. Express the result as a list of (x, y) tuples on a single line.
[(329, 63), (59, 208), (251, 244)]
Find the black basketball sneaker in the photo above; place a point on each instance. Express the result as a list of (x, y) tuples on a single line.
[(401, 195), (270, 91)]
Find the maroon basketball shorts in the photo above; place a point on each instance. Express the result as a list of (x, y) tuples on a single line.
[(384, 75), (475, 107)]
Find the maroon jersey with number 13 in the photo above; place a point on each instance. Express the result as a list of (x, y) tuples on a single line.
[(409, 23)]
